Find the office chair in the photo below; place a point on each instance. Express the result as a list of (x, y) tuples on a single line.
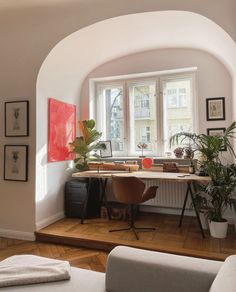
[(130, 190)]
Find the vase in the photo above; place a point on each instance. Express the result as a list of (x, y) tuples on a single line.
[(218, 229)]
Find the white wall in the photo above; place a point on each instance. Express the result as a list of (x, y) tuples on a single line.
[(51, 177), (212, 77)]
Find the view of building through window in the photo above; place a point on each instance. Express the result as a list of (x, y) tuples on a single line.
[(177, 109), (144, 111), (142, 106), (114, 116)]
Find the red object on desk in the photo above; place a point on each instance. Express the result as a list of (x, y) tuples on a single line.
[(147, 162)]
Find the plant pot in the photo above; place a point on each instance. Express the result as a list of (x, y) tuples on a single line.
[(218, 229), (203, 219)]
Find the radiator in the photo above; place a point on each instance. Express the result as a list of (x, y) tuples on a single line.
[(169, 194)]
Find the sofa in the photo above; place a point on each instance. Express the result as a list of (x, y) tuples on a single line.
[(136, 270)]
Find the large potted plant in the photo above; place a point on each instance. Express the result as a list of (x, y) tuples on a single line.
[(85, 144), (219, 193)]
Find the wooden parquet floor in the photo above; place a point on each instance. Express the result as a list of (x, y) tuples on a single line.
[(78, 257), (167, 237)]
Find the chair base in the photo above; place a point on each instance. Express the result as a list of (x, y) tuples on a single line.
[(134, 229)]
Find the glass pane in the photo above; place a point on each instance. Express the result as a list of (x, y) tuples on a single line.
[(143, 117), (114, 117), (178, 114)]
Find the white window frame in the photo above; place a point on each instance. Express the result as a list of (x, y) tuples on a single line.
[(125, 81), (194, 101)]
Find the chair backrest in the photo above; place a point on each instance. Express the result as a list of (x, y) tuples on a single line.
[(128, 189)]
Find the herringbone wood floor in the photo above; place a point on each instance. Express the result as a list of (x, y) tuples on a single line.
[(78, 257)]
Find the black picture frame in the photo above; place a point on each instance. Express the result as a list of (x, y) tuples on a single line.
[(108, 151), (217, 131), (16, 162), (17, 118), (215, 109)]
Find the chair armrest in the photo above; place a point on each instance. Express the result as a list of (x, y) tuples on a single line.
[(135, 270)]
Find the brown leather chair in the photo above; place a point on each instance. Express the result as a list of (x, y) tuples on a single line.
[(130, 190)]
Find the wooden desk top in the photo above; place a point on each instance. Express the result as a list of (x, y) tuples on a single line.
[(164, 176)]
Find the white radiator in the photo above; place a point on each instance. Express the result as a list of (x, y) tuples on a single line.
[(169, 194)]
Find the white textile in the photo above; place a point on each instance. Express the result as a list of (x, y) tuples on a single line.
[(29, 269)]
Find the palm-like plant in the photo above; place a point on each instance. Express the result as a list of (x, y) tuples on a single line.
[(209, 146), (85, 144), (219, 193)]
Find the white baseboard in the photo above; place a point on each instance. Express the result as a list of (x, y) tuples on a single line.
[(162, 210), (49, 220), (22, 235), (176, 211)]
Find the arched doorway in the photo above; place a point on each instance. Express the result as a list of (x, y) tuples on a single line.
[(67, 65)]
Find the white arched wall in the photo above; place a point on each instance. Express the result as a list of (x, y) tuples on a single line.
[(65, 68)]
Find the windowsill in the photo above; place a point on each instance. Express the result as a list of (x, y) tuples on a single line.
[(138, 157), (181, 161)]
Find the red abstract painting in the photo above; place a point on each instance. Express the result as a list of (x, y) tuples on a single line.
[(62, 130)]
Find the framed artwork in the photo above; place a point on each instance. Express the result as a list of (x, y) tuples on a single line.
[(218, 132), (17, 118), (108, 151), (16, 162), (215, 107), (62, 130)]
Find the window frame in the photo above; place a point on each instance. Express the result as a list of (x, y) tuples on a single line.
[(127, 80)]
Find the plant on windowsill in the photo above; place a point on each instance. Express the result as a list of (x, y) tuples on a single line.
[(219, 194), (142, 146), (85, 144)]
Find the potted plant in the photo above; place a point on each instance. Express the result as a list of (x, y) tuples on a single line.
[(208, 147), (219, 193), (142, 146), (217, 196), (85, 144), (179, 152)]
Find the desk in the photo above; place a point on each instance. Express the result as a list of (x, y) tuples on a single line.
[(188, 179)]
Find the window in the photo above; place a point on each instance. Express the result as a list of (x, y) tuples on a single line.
[(142, 115), (111, 106), (178, 109), (146, 110)]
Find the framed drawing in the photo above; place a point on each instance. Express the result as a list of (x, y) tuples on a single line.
[(17, 118), (215, 107), (62, 130), (108, 151), (217, 132), (16, 162)]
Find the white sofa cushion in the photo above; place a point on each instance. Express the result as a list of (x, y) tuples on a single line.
[(225, 280)]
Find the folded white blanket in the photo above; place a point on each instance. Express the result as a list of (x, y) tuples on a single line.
[(29, 269)]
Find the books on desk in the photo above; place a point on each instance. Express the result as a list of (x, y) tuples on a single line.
[(161, 168), (113, 166)]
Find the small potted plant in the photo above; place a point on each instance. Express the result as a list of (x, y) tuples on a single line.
[(142, 146), (179, 152), (85, 144)]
